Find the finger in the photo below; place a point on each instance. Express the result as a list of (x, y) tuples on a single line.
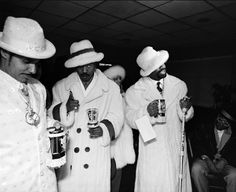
[(95, 132), (93, 136)]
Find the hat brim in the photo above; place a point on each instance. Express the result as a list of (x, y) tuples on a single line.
[(81, 60), (49, 51), (227, 115), (156, 63)]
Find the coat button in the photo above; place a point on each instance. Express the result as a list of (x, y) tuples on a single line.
[(86, 166), (76, 149), (87, 149), (78, 130)]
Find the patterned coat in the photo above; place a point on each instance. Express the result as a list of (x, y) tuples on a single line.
[(159, 159), (24, 149), (88, 160)]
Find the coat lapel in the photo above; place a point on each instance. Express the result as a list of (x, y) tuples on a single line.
[(151, 93), (168, 91), (210, 135), (99, 87), (75, 86), (225, 137)]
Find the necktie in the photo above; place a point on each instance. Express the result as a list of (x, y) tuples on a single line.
[(159, 87)]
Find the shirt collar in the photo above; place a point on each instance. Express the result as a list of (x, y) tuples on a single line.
[(226, 131), (155, 82)]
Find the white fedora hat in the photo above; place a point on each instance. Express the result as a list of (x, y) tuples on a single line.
[(82, 53), (25, 37), (149, 60), (115, 71)]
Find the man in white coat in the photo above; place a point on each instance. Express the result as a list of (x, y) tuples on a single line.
[(24, 143), (74, 98), (122, 149), (155, 111)]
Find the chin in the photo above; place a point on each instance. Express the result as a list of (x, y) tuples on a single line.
[(85, 80), (162, 76), (24, 81)]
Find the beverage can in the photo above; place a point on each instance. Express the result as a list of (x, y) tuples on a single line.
[(161, 118), (57, 138)]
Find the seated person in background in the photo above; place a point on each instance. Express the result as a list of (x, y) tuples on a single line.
[(214, 150)]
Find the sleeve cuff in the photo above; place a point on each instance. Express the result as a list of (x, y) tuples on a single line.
[(190, 114), (67, 119), (56, 112), (108, 132), (110, 128)]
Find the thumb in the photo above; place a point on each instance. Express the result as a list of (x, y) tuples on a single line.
[(71, 97)]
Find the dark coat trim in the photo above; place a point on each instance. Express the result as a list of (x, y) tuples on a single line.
[(110, 128), (56, 112)]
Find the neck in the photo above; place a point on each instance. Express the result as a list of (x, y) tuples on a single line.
[(86, 84)]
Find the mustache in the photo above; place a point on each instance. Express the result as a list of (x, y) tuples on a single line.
[(84, 75)]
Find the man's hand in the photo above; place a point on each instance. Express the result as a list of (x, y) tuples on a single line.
[(220, 163), (72, 104), (185, 104), (95, 132), (152, 108), (209, 163)]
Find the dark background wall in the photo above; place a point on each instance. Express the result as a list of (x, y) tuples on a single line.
[(202, 68)]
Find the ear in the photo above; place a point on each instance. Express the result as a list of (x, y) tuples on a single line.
[(5, 54)]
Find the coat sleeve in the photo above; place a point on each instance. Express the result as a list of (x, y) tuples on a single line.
[(114, 119), (201, 141), (58, 108), (228, 151), (182, 91), (136, 106)]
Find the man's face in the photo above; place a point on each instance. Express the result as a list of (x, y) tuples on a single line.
[(86, 72), (159, 73), (117, 80), (222, 123), (19, 67)]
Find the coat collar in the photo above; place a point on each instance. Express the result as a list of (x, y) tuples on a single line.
[(100, 86), (150, 91)]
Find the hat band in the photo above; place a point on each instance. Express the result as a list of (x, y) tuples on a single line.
[(227, 115), (81, 52)]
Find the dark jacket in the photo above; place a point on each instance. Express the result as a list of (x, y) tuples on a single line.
[(203, 142)]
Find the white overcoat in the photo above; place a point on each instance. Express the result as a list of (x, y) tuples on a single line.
[(88, 160), (159, 159), (122, 148), (24, 149)]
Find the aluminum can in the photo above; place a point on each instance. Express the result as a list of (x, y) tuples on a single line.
[(57, 142), (161, 118)]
